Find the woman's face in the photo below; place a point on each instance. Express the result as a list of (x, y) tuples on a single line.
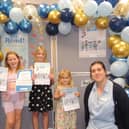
[(12, 61), (98, 73)]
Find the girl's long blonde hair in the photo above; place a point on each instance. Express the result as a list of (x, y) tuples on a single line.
[(65, 72)]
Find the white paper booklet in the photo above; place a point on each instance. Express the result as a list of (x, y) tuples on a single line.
[(70, 101), (41, 72), (24, 81), (3, 78)]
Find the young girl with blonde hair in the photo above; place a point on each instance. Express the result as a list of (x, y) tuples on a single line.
[(40, 99), (64, 119)]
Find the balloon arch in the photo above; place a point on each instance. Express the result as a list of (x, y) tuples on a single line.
[(112, 15)]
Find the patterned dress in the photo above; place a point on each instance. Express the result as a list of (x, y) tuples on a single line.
[(40, 99), (64, 119)]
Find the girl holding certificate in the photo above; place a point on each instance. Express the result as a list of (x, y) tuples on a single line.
[(12, 101), (40, 98), (64, 119)]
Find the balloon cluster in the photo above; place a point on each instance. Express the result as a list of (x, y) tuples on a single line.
[(12, 18), (110, 14), (60, 17), (118, 42)]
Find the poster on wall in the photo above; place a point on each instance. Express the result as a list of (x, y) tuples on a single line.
[(92, 42), (17, 43)]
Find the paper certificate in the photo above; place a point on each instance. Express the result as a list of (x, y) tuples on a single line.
[(41, 72), (70, 101), (3, 78), (24, 81)]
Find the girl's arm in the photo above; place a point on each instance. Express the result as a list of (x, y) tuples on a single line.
[(51, 76), (58, 94)]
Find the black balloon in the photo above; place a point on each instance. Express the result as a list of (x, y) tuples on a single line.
[(116, 24), (52, 29), (66, 15)]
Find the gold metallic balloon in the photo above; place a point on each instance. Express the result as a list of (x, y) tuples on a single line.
[(102, 22), (54, 17), (113, 40), (3, 18), (80, 19), (1, 56), (121, 9), (121, 49)]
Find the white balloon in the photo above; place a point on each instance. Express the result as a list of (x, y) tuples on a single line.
[(119, 68), (120, 81), (64, 28), (128, 60), (105, 8), (16, 14), (125, 34), (65, 4), (90, 7)]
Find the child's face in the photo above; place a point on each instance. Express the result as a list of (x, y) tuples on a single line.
[(40, 56), (65, 80), (12, 61)]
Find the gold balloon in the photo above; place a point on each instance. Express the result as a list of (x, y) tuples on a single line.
[(102, 22), (121, 49), (54, 16), (1, 56), (113, 40), (121, 9), (80, 19), (3, 18)]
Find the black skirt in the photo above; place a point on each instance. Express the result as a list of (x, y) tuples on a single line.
[(40, 98)]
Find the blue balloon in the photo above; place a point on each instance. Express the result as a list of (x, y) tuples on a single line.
[(5, 8), (116, 24), (113, 2), (54, 7), (6, 1), (52, 29), (25, 26), (113, 59), (11, 27), (43, 10), (66, 15)]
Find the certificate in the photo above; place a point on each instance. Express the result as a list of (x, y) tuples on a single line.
[(24, 81), (41, 72), (70, 101), (3, 78)]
